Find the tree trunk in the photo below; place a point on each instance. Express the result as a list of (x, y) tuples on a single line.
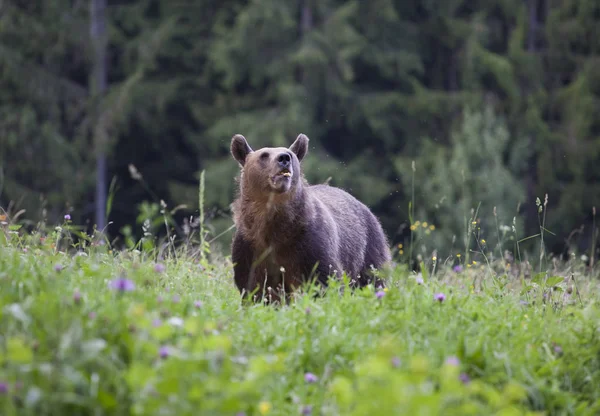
[(533, 22), (98, 88)]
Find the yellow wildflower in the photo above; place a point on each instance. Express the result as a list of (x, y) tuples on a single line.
[(432, 227), (434, 258), (482, 241), (424, 224), (264, 407)]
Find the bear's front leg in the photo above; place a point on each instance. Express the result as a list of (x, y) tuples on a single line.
[(241, 256)]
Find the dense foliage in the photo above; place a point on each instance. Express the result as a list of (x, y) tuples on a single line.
[(493, 99), (151, 331)]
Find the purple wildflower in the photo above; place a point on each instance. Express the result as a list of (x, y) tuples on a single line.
[(92, 315), (159, 299), (310, 378), (67, 217), (156, 322), (198, 304), (440, 297), (452, 361), (307, 410), (76, 296), (175, 298), (419, 280), (3, 387), (395, 362), (380, 294), (58, 267), (558, 349), (464, 377), (163, 352), (458, 268), (122, 285), (307, 310), (159, 267)]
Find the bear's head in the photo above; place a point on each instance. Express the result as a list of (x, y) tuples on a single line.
[(270, 169)]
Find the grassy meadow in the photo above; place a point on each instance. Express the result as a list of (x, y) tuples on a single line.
[(158, 330)]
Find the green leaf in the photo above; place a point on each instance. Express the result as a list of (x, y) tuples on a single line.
[(107, 400), (18, 351), (538, 278), (554, 280), (138, 375)]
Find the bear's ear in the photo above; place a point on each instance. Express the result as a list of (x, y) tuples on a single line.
[(240, 148), (300, 146)]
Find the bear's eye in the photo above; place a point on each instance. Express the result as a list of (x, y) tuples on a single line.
[(264, 156)]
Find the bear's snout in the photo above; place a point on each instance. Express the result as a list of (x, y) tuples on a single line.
[(284, 160)]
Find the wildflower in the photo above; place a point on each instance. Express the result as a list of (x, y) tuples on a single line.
[(307, 410), (310, 378), (264, 407), (122, 285), (458, 268), (380, 294), (474, 262), (452, 361), (482, 241), (385, 289), (432, 227), (156, 323), (419, 280), (464, 377), (76, 296), (175, 298), (558, 350), (458, 255), (401, 252), (67, 217), (159, 267), (424, 225), (440, 297), (413, 227), (307, 310), (395, 362), (58, 267), (434, 258), (176, 321), (92, 315), (400, 245), (198, 304), (159, 299), (163, 352), (3, 387)]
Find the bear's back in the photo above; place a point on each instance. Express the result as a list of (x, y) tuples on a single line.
[(355, 225)]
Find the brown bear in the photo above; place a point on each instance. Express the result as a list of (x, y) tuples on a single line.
[(289, 232)]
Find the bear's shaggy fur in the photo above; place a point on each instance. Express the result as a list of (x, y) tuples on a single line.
[(288, 232)]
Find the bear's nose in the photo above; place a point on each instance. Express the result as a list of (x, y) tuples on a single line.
[(284, 160)]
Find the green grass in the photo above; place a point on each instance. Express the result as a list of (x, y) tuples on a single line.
[(72, 345)]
